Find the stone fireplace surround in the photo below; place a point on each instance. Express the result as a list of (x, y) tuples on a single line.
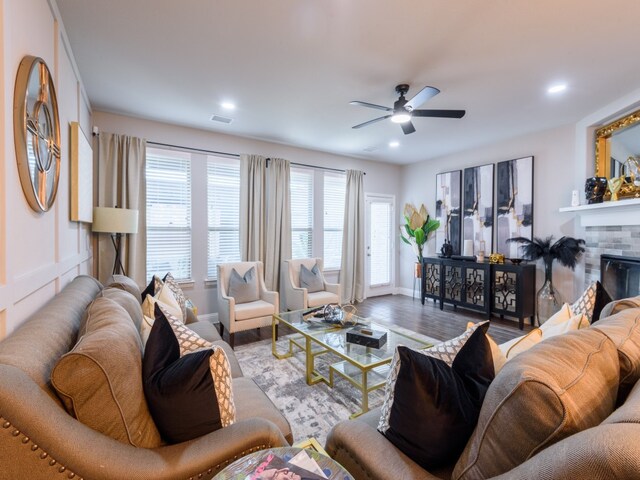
[(610, 228), (622, 240)]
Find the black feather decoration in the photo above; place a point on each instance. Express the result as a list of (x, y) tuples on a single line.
[(567, 250)]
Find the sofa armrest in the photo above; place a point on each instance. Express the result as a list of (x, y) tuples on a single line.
[(357, 446), (598, 453), (48, 438)]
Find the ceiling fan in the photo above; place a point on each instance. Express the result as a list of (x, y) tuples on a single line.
[(404, 110)]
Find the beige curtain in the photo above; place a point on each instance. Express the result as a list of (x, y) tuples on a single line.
[(352, 268), (253, 187), (121, 183), (278, 213)]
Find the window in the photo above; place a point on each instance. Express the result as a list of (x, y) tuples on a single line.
[(301, 199), (168, 213), (335, 185), (223, 212)]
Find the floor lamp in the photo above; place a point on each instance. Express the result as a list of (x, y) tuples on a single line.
[(118, 222)]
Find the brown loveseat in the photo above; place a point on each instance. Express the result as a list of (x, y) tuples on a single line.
[(529, 425), (39, 440)]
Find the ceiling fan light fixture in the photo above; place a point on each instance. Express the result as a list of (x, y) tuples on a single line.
[(401, 117)]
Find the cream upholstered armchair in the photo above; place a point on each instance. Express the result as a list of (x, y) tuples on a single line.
[(297, 297), (252, 306)]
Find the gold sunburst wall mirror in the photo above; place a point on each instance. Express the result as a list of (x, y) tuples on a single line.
[(36, 135)]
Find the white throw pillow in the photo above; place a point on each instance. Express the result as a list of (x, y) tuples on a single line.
[(574, 323), (167, 301), (515, 347), (561, 316)]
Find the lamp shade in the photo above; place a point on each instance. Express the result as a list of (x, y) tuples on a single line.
[(115, 220)]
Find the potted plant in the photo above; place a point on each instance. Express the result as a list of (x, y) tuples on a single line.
[(567, 251), (418, 227)]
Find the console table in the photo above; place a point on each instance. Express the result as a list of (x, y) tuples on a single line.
[(494, 289)]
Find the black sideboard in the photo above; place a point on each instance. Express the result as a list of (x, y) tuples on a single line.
[(494, 289)]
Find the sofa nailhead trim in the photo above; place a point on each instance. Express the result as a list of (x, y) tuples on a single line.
[(34, 447)]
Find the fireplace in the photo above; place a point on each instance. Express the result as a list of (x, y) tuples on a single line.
[(620, 276)]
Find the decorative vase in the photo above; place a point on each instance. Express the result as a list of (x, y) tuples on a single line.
[(548, 298), (418, 270)]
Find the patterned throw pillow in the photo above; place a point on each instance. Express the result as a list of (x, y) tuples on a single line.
[(450, 380), (311, 279), (177, 293), (584, 305), (180, 371)]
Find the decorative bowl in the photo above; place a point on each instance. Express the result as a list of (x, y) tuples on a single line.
[(516, 261)]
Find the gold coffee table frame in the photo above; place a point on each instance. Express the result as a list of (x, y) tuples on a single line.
[(365, 367)]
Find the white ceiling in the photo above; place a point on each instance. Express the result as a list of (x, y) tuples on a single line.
[(293, 66)]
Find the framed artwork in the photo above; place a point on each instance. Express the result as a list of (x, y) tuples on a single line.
[(514, 204), (477, 223), (448, 207), (81, 176)]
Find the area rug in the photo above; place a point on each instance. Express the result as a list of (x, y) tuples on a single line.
[(311, 409)]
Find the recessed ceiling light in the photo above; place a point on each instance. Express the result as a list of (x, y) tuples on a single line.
[(228, 106), (560, 87), (394, 144)]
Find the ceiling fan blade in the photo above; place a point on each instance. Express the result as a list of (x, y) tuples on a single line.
[(422, 96), (439, 113), (371, 105), (408, 127), (371, 121)]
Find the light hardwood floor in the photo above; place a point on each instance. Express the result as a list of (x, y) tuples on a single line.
[(408, 313)]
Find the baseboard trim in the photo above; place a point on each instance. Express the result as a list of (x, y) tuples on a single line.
[(407, 292)]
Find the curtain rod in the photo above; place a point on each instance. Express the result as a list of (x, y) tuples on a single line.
[(202, 150), (235, 155)]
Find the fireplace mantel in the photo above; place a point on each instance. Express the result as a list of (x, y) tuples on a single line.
[(606, 214)]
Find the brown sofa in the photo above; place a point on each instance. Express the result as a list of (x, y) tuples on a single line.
[(38, 439), (608, 449)]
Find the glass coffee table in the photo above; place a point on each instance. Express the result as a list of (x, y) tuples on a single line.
[(366, 368)]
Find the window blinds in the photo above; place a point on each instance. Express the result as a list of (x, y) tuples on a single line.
[(334, 192), (301, 199), (168, 176), (223, 212)]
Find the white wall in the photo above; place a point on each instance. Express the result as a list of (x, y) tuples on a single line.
[(39, 253), (381, 178), (554, 173)]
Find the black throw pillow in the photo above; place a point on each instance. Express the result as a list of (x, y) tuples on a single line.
[(432, 407), (602, 298), (149, 290), (185, 393)]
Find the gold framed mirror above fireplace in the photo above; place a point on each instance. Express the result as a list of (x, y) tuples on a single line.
[(615, 143)]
